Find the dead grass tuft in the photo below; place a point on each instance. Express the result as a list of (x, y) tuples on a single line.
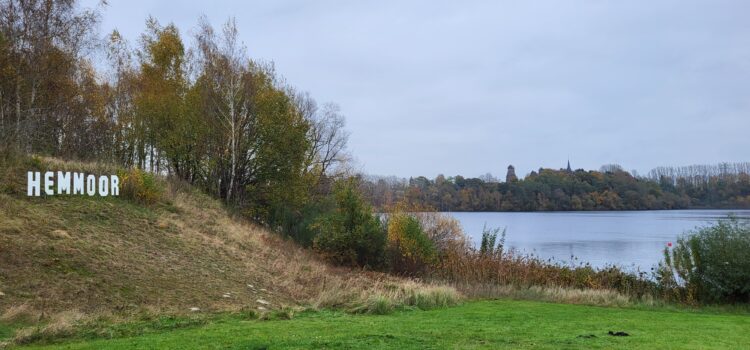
[(22, 313), (60, 325), (59, 234)]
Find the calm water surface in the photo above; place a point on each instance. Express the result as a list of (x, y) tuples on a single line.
[(629, 239)]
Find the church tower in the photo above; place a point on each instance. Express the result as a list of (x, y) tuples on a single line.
[(569, 169), (511, 175)]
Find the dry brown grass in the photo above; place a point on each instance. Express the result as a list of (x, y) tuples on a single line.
[(299, 275), (601, 297), (22, 313), (97, 168)]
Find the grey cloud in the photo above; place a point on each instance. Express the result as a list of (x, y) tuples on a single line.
[(469, 87)]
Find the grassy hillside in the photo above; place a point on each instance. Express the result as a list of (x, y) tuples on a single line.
[(474, 325), (65, 258)]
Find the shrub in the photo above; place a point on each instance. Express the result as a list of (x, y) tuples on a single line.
[(409, 248), (713, 263), (140, 186), (299, 224), (444, 231), (351, 234)]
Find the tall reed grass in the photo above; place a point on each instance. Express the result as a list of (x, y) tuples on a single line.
[(493, 271), (509, 268)]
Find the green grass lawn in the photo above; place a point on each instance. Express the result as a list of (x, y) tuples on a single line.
[(474, 325)]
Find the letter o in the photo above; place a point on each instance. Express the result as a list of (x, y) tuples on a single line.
[(103, 186), (91, 185)]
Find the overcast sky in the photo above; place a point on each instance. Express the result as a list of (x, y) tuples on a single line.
[(464, 87)]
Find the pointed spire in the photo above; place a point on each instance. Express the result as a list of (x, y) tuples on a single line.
[(511, 175), (569, 169)]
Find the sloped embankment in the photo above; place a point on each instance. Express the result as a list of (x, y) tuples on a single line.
[(94, 254)]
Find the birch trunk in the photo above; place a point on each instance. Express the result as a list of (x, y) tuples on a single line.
[(233, 139), (18, 113)]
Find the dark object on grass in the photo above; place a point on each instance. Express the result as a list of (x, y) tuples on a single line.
[(586, 336), (618, 334)]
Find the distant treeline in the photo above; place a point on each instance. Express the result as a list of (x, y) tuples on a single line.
[(725, 185)]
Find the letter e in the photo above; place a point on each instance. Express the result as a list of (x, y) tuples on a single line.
[(48, 183)]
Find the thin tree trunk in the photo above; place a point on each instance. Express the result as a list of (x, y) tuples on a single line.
[(151, 158), (233, 139), (2, 115), (31, 122), (18, 113)]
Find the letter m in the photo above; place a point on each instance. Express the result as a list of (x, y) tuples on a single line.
[(77, 183), (63, 182)]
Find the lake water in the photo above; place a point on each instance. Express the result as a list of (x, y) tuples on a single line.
[(630, 239)]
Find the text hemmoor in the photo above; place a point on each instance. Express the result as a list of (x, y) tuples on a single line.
[(78, 183)]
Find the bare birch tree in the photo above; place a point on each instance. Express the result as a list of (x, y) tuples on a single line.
[(224, 64)]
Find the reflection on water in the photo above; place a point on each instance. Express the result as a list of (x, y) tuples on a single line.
[(630, 239)]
